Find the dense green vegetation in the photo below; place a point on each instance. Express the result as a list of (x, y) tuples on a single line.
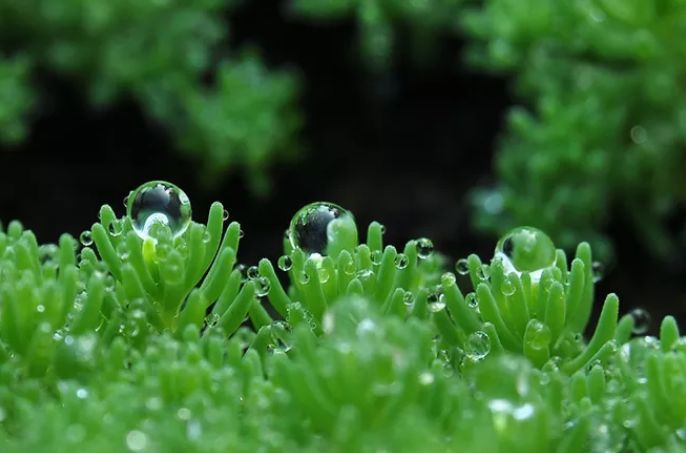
[(225, 110), (152, 337)]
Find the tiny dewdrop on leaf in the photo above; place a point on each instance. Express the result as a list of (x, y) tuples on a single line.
[(159, 203), (478, 345), (315, 228), (424, 248), (526, 249), (641, 319), (285, 263)]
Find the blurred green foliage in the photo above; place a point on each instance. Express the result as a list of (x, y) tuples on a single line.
[(602, 125), (379, 20), (15, 99), (226, 110)]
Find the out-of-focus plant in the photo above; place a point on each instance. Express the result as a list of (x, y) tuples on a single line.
[(225, 110), (379, 20), (602, 128)]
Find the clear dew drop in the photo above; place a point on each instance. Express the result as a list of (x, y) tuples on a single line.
[(408, 298), (424, 248), (526, 249), (261, 286), (448, 279), (158, 203), (304, 278), (401, 261), (285, 263), (323, 274), (597, 271), (483, 272), (478, 345), (462, 266), (86, 238), (225, 215), (472, 300), (641, 319), (253, 272), (114, 228), (377, 256), (311, 227), (508, 288)]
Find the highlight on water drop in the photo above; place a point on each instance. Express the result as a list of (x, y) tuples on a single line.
[(158, 203)]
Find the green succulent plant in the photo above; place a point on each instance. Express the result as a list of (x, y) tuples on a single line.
[(227, 111), (601, 127), (158, 339)]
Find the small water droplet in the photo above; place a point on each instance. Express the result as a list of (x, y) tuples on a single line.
[(408, 298), (86, 238), (159, 203), (483, 272), (436, 301), (598, 271), (323, 274), (376, 256), (526, 249), (401, 261), (448, 279), (462, 266), (426, 378), (253, 272), (261, 286), (114, 228), (383, 229), (508, 288), (424, 248), (241, 233), (472, 300), (304, 278), (349, 268), (478, 345), (136, 440), (82, 393), (40, 308), (285, 263), (313, 226), (225, 215), (365, 274), (638, 134), (641, 319), (206, 237)]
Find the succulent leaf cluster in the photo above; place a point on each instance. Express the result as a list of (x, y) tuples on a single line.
[(155, 342)]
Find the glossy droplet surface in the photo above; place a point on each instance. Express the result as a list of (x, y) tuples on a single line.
[(526, 249), (401, 261), (641, 319), (261, 286), (86, 238), (424, 248), (285, 263), (478, 345), (462, 266), (253, 272), (310, 229), (158, 203)]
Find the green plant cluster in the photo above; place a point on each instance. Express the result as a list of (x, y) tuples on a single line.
[(602, 125), (227, 111), (166, 344), (379, 20)]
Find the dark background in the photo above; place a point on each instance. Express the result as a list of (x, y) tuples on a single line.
[(403, 148)]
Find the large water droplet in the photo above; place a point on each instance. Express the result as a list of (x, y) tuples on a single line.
[(261, 286), (478, 345), (526, 249), (311, 227), (159, 203), (641, 320)]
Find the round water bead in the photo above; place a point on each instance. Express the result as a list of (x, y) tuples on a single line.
[(159, 203), (285, 263), (597, 271), (424, 248), (310, 229), (86, 238), (478, 345), (462, 266), (641, 321), (401, 261), (526, 249)]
